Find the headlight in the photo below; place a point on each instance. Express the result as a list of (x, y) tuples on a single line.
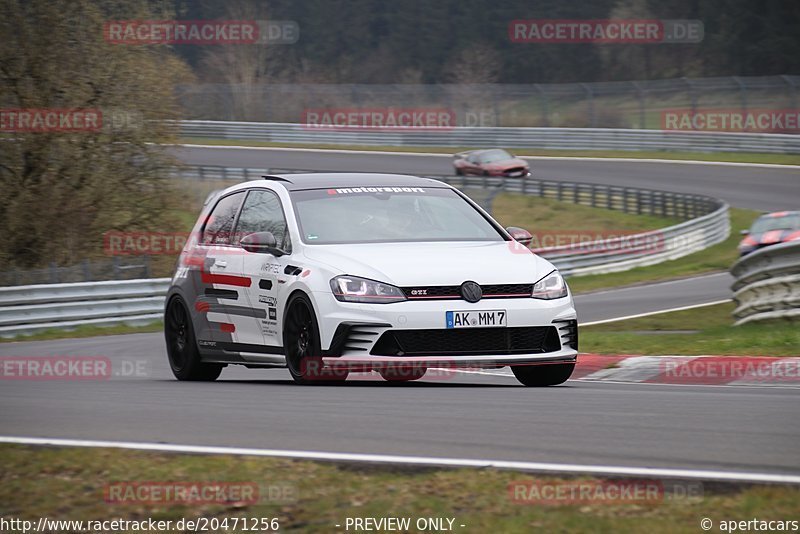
[(354, 289), (550, 287)]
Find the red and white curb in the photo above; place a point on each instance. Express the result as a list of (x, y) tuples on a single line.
[(684, 370)]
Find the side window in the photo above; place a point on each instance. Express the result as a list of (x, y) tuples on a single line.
[(219, 226), (262, 212)]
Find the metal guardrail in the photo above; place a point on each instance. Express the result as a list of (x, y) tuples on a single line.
[(36, 308), (30, 309), (767, 284), (538, 138)]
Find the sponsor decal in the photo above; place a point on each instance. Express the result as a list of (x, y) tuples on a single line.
[(354, 190), (266, 299), (272, 268), (273, 314)]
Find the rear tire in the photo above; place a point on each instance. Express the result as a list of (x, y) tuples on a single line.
[(182, 351), (301, 341), (543, 375), (459, 172)]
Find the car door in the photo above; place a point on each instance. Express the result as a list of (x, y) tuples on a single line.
[(213, 284), (473, 165), (262, 211)]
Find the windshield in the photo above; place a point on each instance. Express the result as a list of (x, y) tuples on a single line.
[(491, 156), (765, 224), (387, 215)]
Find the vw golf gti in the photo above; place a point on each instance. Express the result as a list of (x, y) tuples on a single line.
[(331, 274)]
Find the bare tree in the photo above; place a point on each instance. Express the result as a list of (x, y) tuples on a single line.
[(63, 190)]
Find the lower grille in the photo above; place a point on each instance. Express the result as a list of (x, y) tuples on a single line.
[(468, 341)]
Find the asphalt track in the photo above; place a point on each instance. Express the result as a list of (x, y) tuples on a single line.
[(768, 188), (468, 416), (735, 429)]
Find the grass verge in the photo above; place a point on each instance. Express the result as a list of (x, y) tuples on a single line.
[(748, 157), (706, 330), (717, 258), (88, 331), (546, 215), (64, 483)]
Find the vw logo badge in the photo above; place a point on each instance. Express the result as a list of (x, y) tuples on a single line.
[(471, 291)]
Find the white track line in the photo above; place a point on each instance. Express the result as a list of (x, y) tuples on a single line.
[(730, 476), (444, 155), (657, 312)]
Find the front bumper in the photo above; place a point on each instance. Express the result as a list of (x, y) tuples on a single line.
[(349, 331), (356, 362)]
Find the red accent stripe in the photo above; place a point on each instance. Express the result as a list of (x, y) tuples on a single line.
[(455, 297), (227, 327), (226, 279), (201, 306)]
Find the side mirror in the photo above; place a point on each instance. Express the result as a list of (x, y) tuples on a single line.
[(261, 243), (744, 232), (520, 235)]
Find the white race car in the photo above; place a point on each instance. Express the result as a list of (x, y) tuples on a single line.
[(330, 274)]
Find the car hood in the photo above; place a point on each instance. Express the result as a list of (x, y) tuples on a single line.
[(433, 264), (507, 164), (770, 237)]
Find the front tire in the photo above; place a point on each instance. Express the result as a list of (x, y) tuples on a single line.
[(543, 375), (182, 351), (301, 341)]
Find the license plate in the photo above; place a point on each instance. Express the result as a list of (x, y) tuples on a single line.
[(475, 318)]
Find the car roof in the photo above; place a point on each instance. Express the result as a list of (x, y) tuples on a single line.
[(299, 182), (482, 150)]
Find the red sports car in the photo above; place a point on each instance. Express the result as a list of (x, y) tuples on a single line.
[(770, 229), (490, 162)]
